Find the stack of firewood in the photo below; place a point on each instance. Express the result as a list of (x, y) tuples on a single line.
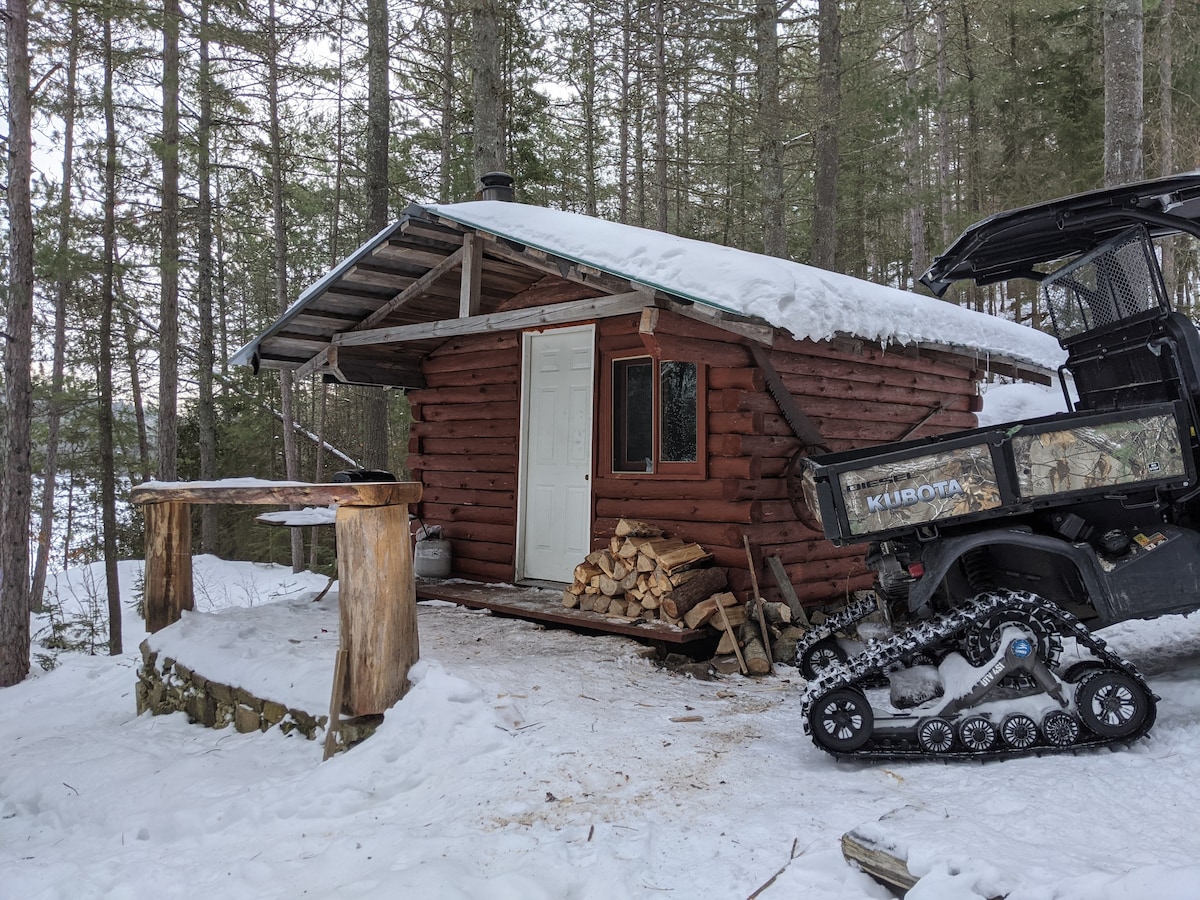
[(643, 575)]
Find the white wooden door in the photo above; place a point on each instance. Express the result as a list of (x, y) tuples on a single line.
[(556, 452)]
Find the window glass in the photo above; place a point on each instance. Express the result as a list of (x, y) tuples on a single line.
[(678, 392), (633, 415)]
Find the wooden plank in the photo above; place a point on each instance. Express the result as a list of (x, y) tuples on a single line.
[(280, 493), (775, 564), (516, 320), (878, 861), (377, 605), (335, 704), (508, 601), (168, 579)]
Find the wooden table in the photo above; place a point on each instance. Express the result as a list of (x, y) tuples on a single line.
[(377, 589)]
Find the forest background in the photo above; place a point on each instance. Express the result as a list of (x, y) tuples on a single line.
[(177, 173)]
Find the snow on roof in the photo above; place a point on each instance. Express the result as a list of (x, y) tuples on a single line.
[(806, 301)]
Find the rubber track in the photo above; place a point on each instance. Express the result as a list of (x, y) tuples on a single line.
[(883, 656)]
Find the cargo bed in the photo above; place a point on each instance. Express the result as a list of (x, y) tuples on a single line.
[(880, 492)]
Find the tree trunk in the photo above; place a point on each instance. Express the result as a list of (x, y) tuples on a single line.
[(912, 144), (108, 487), (146, 470), (829, 104), (291, 454), (626, 87), (660, 116), (486, 87), (943, 125), (375, 432), (205, 350), (62, 289), (1123, 119), (168, 331), (447, 111), (770, 122), (16, 481)]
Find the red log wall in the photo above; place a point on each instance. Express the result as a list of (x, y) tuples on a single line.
[(465, 430)]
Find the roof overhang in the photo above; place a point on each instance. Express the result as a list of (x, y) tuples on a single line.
[(427, 279)]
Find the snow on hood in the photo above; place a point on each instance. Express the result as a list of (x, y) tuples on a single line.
[(806, 301)]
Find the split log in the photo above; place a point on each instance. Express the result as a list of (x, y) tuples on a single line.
[(652, 549), (757, 661), (704, 610), (585, 572), (601, 603), (587, 602), (570, 600), (634, 528), (609, 587), (687, 557), (678, 601), (726, 644), (778, 614)]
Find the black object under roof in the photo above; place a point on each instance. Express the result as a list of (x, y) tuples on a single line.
[(1013, 244)]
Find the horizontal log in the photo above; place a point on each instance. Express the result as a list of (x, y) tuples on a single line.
[(752, 445), (469, 481), (434, 443), (466, 377), (476, 393), (680, 510), (468, 411), (458, 497), (609, 488), (283, 493), (481, 531), (481, 570), (713, 353), (477, 343), (435, 462), (885, 391), (866, 353), (509, 358), (735, 378), (482, 551), (467, 428), (440, 513)]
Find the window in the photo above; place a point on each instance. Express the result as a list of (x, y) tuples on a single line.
[(657, 425)]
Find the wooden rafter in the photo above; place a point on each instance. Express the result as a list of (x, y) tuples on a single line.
[(515, 320)]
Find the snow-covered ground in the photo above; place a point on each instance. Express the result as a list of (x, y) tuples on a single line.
[(528, 763)]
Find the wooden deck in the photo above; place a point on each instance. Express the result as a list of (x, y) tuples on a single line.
[(539, 604)]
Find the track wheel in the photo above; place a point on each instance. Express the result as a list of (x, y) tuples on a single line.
[(1018, 731), (820, 656), (935, 735), (842, 720), (977, 733), (1060, 728), (1112, 704)]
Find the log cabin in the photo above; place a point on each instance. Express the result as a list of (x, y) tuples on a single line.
[(565, 372)]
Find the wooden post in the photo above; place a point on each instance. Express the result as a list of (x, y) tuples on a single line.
[(167, 586), (378, 603)]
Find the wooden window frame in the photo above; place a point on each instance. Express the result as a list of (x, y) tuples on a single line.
[(693, 471)]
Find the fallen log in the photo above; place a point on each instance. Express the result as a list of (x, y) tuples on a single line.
[(679, 600)]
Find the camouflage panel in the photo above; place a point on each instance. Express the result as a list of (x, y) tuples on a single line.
[(920, 489), (1097, 456)]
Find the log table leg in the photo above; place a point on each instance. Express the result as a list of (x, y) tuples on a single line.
[(378, 605), (167, 584)]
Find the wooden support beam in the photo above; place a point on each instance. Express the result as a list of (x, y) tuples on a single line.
[(472, 276), (377, 605), (168, 580), (515, 320), (414, 290)]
